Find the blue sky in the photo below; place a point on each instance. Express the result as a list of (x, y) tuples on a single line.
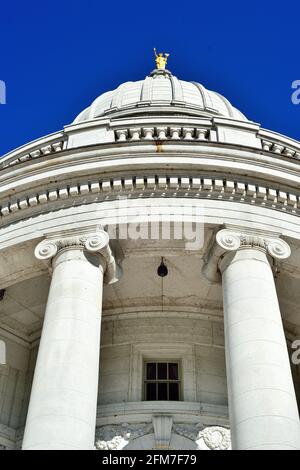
[(57, 56)]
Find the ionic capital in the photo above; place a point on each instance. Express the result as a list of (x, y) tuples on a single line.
[(232, 239), (95, 243)]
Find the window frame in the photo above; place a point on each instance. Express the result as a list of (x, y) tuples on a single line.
[(141, 352), (167, 381)]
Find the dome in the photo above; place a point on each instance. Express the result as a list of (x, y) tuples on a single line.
[(164, 91)]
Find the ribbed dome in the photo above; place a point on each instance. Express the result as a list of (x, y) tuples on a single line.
[(164, 91)]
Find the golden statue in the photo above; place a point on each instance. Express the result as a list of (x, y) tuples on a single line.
[(161, 60)]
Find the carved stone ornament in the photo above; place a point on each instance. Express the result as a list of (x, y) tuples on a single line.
[(214, 438), (230, 240), (190, 431), (94, 242), (117, 437), (162, 431), (206, 438)]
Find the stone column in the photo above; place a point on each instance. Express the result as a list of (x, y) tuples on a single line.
[(63, 401), (262, 403)]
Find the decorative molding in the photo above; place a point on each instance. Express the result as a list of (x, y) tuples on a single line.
[(275, 147), (162, 425), (156, 186), (182, 411), (189, 133), (162, 133), (51, 147)]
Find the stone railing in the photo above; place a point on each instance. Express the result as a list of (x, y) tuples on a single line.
[(274, 147), (162, 133), (34, 150), (279, 144)]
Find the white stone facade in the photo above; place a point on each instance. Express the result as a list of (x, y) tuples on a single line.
[(82, 307)]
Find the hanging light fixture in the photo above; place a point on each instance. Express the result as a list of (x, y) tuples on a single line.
[(162, 269)]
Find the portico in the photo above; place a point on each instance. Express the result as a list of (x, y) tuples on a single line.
[(261, 392)]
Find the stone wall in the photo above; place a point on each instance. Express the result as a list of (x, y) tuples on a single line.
[(15, 385), (197, 343)]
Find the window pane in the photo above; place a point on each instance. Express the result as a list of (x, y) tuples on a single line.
[(151, 371), (151, 391), (173, 391), (173, 371), (162, 371), (162, 391)]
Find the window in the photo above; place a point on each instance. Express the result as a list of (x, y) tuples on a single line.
[(162, 381)]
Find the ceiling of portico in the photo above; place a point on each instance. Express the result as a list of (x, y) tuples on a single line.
[(184, 288), (23, 305)]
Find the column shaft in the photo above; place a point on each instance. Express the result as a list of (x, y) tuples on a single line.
[(63, 402), (262, 403)]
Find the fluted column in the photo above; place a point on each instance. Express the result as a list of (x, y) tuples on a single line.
[(63, 402), (262, 403)]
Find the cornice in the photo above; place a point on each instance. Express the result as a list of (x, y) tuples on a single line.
[(117, 411), (125, 157), (189, 186), (209, 311), (133, 156), (49, 144)]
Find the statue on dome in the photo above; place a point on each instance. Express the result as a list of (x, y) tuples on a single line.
[(161, 60)]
